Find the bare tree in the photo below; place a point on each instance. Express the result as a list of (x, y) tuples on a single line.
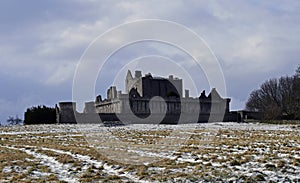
[(14, 120), (266, 100), (277, 98), (286, 89), (296, 86), (254, 102), (298, 72)]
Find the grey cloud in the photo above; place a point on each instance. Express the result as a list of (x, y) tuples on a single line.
[(42, 41)]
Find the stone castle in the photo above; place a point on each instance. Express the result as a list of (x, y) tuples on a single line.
[(147, 95)]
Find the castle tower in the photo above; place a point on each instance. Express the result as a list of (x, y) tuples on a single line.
[(135, 82), (66, 112), (128, 81)]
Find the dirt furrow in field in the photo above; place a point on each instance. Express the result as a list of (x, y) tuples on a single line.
[(61, 170), (109, 169)]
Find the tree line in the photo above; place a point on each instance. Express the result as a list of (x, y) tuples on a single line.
[(277, 98), (40, 115)]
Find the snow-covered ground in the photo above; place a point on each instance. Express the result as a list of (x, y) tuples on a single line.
[(205, 152)]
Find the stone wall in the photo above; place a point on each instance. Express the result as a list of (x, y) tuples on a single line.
[(168, 118), (109, 106), (172, 105), (90, 107)]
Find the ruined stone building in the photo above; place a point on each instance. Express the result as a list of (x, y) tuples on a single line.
[(140, 90), (145, 95)]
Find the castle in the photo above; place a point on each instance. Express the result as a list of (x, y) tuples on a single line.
[(147, 95)]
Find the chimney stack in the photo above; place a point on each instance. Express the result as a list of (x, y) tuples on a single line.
[(187, 93), (138, 74)]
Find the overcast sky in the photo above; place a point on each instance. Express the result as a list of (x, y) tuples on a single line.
[(41, 43)]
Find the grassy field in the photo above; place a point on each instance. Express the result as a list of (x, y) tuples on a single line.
[(214, 152)]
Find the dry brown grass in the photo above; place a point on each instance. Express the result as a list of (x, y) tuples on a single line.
[(220, 157)]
